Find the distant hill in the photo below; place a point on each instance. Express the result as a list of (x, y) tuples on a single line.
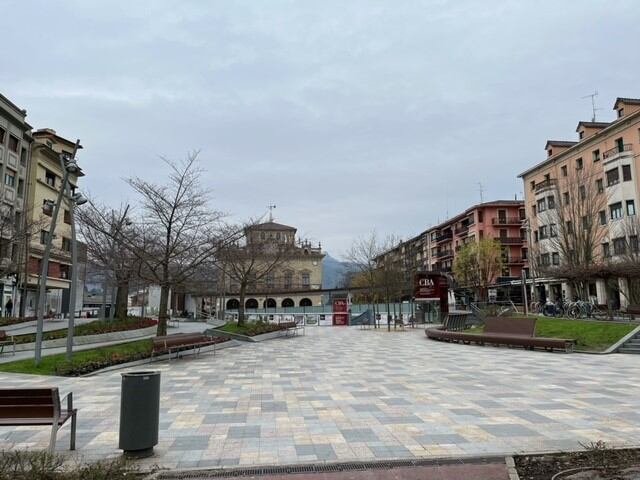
[(333, 272)]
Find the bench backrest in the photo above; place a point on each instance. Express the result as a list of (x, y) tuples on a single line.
[(3, 335), (510, 325), (456, 322), (178, 339), (29, 403)]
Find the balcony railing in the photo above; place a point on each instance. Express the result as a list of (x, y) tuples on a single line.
[(444, 253), (515, 261), (507, 221), (545, 185), (462, 229), (444, 236), (510, 240), (616, 150)]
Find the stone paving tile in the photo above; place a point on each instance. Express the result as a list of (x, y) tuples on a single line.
[(332, 395)]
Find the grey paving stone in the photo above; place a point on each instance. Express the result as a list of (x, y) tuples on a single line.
[(359, 435), (250, 431), (509, 430), (440, 439)]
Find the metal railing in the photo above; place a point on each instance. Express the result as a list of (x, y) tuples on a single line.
[(546, 184), (507, 221), (616, 150), (510, 240)]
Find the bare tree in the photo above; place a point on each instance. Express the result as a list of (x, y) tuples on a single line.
[(571, 226), (104, 230), (478, 264), (178, 230), (248, 261)]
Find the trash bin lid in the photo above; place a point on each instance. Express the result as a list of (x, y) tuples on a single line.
[(140, 374)]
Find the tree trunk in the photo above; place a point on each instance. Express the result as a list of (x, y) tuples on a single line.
[(163, 310), (243, 292), (122, 300)]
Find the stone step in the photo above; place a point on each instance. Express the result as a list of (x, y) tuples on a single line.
[(635, 350), (635, 342)]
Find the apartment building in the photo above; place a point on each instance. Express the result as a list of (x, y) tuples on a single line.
[(44, 184), (501, 220), (595, 175), (15, 148)]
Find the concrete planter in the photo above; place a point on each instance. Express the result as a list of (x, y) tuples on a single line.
[(90, 339), (245, 338)]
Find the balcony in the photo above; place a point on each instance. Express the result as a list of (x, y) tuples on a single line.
[(462, 229), (444, 253), (507, 221), (510, 240), (609, 154), (515, 261), (546, 185), (448, 235)]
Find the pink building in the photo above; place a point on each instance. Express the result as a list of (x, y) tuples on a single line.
[(501, 220)]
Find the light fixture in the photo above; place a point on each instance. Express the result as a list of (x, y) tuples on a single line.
[(47, 207), (79, 199), (71, 165)]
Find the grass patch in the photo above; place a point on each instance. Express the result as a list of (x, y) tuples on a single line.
[(250, 329), (590, 335), (84, 361), (92, 328)]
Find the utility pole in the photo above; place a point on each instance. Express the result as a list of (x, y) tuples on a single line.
[(271, 209), (593, 104)]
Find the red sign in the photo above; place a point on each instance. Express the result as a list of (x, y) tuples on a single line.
[(432, 286), (340, 311)]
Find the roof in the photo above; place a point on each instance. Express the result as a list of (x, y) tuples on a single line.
[(271, 226), (559, 143), (50, 132), (592, 125), (628, 101)]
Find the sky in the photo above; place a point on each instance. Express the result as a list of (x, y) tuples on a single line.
[(349, 116)]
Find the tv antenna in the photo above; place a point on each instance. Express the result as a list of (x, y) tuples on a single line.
[(481, 190), (593, 104), (271, 208)]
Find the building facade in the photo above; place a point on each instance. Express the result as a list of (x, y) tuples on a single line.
[(15, 150), (44, 184), (591, 183), (293, 283)]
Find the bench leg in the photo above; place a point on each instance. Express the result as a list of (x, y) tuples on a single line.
[(54, 433), (72, 443)]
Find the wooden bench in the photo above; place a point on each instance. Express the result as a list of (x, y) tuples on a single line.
[(6, 340), (292, 327), (180, 342), (631, 311), (509, 331), (397, 322), (35, 407)]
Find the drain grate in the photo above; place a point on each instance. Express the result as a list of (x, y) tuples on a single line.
[(206, 474)]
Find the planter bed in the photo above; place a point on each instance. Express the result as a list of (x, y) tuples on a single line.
[(251, 332)]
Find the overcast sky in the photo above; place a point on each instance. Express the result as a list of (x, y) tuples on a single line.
[(348, 115)]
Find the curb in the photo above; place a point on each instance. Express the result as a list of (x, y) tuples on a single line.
[(511, 468)]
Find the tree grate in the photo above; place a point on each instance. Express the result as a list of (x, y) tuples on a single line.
[(204, 474)]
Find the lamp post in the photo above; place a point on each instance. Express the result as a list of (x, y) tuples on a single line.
[(76, 199), (68, 165), (534, 293)]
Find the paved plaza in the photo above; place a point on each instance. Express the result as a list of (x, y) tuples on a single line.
[(342, 393)]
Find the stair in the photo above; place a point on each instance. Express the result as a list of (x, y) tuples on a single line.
[(631, 346)]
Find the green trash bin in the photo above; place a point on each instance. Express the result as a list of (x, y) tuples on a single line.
[(139, 413)]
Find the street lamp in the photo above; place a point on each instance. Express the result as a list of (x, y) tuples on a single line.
[(76, 199), (68, 166)]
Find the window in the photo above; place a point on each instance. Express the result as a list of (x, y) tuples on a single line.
[(535, 236), (64, 271), (620, 144), (551, 203), (544, 258), (263, 236), (563, 169), (613, 177), (2, 134), (480, 217), (553, 230), (620, 112), (532, 184), (585, 222), (543, 232), (615, 210), (533, 207), (43, 237), (631, 207), (47, 209), (542, 205), (581, 134), (569, 226), (583, 192), (525, 253), (13, 143), (603, 217), (605, 250), (50, 178), (9, 179), (306, 280), (521, 214), (288, 279), (579, 164), (619, 246), (66, 244), (270, 276), (626, 173), (566, 199), (67, 217), (23, 157), (550, 152), (596, 155), (555, 258), (633, 243), (20, 187), (599, 185)]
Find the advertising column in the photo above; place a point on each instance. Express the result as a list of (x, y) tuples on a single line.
[(340, 311)]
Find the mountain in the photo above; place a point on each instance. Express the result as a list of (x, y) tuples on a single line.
[(333, 272)]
